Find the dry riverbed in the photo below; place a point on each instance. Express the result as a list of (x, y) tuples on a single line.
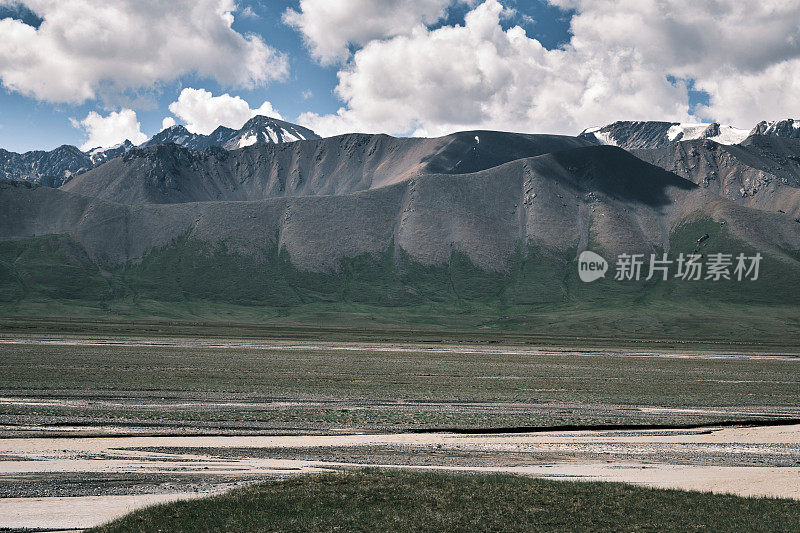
[(79, 482), (93, 428)]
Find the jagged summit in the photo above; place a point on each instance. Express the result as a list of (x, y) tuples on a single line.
[(177, 134), (258, 129), (101, 155), (648, 135), (637, 135), (268, 130), (788, 128), (53, 168), (56, 167)]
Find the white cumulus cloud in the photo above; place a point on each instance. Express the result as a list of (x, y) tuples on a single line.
[(621, 63), (203, 112), (110, 130), (769, 94), (168, 122), (746, 55), (85, 48), (481, 76), (329, 28)]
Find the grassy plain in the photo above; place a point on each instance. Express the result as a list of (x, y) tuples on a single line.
[(379, 500), (316, 387)]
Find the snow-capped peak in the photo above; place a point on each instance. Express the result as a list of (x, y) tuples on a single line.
[(778, 128), (100, 154), (651, 134), (722, 134), (268, 130), (258, 129)]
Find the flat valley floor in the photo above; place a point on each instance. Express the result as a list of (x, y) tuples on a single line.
[(93, 428)]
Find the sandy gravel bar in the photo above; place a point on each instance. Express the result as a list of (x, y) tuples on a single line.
[(48, 460)]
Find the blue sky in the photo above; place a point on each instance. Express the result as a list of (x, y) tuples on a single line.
[(29, 124), (409, 67)]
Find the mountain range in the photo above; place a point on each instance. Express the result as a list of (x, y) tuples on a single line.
[(56, 167), (637, 135), (478, 218), (259, 129)]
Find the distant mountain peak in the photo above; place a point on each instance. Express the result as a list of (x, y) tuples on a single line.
[(125, 143), (633, 135), (177, 134), (222, 130), (177, 129), (53, 168), (101, 155), (259, 119), (788, 128), (260, 128)]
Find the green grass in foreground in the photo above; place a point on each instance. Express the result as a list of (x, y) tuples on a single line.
[(377, 500)]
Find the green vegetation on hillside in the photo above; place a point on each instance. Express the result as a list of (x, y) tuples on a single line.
[(380, 500), (540, 294)]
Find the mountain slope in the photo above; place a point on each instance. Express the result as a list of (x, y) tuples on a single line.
[(336, 165), (762, 172), (477, 228), (560, 201)]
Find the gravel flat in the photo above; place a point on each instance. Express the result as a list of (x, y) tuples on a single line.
[(54, 482)]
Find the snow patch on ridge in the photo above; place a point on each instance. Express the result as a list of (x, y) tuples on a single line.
[(248, 140), (644, 134), (688, 132), (602, 137), (730, 135)]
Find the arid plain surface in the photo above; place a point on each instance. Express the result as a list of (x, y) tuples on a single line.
[(94, 428)]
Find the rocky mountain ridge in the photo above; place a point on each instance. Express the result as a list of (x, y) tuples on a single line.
[(637, 135), (52, 169), (169, 173), (259, 129), (56, 167), (648, 135)]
